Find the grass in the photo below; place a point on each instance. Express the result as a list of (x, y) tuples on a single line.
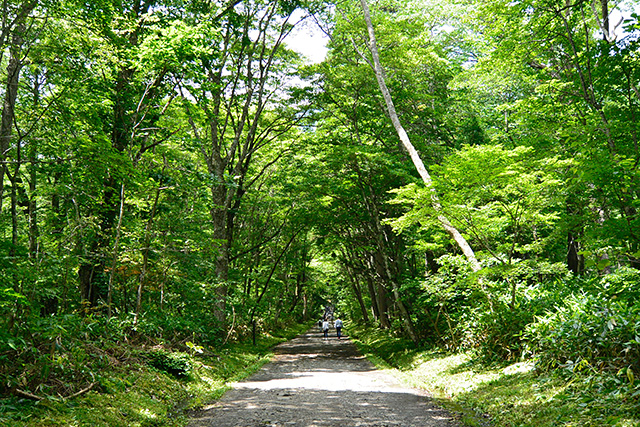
[(136, 393), (507, 396)]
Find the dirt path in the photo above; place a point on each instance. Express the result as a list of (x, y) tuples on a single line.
[(312, 382)]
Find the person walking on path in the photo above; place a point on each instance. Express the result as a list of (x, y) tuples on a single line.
[(338, 325), (325, 328)]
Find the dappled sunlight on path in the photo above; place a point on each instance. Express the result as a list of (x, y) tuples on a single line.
[(315, 382)]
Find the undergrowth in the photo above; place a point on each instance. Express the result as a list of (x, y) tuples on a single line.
[(130, 380), (516, 395)]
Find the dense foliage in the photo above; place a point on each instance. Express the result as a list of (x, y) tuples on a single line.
[(122, 206), (173, 175), (525, 113)]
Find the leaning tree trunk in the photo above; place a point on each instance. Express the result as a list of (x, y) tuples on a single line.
[(370, 202), (406, 142), (372, 296), (380, 294), (355, 283)]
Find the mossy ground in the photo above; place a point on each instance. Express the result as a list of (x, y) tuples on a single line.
[(136, 394), (506, 396)]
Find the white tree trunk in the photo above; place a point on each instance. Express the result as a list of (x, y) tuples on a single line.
[(404, 138)]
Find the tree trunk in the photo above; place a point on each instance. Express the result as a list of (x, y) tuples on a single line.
[(383, 306), (14, 67), (90, 271), (372, 295), (404, 313), (404, 138), (86, 273), (114, 257), (575, 261), (34, 232), (379, 293), (219, 216), (305, 307), (385, 272), (254, 309), (240, 72), (355, 285), (145, 253), (14, 203)]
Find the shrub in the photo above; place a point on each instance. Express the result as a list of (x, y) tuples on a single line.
[(176, 364), (588, 331), (198, 326), (496, 333)]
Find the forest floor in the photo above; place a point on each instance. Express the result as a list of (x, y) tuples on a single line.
[(316, 382)]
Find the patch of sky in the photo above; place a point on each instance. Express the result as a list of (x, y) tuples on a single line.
[(307, 38)]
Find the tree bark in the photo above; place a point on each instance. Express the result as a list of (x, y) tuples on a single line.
[(406, 142), (368, 195), (145, 254), (254, 309), (355, 284), (604, 5), (382, 301), (374, 299), (234, 112), (34, 232), (378, 294), (14, 67), (114, 257)]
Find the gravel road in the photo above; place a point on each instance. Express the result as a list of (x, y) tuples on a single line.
[(313, 382)]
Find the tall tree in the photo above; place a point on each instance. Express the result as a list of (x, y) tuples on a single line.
[(406, 142), (13, 37), (572, 93), (231, 104), (135, 92)]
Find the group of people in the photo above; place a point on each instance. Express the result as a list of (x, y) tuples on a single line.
[(325, 324)]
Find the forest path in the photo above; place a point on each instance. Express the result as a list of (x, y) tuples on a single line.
[(313, 382)]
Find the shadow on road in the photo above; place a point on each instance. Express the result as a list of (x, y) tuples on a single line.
[(314, 382)]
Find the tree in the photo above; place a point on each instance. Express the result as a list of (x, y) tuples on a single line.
[(572, 94), (404, 138), (134, 92), (14, 37), (507, 200), (231, 105)]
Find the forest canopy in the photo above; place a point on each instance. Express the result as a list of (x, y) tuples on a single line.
[(174, 170)]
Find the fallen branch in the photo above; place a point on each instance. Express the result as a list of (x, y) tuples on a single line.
[(38, 398), (29, 395), (81, 392)]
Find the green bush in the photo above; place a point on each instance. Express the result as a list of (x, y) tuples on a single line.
[(588, 331), (488, 314), (496, 333), (176, 364), (199, 326), (623, 285)]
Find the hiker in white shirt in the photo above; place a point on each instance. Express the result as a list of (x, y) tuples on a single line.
[(338, 325), (325, 328)]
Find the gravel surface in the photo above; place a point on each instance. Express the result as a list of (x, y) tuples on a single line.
[(313, 382)]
